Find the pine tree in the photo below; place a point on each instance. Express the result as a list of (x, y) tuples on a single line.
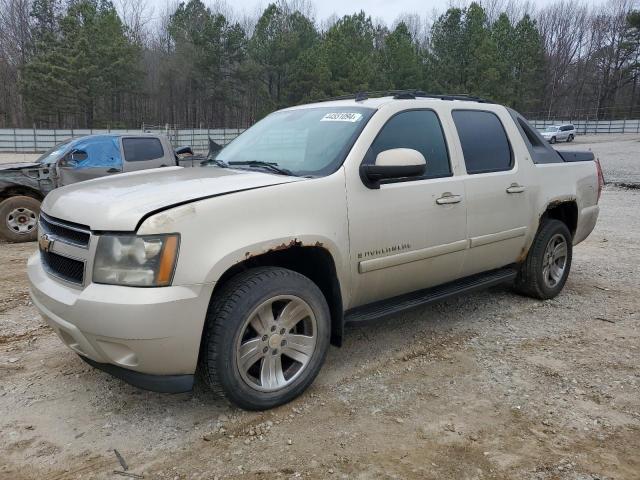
[(350, 53), (400, 60)]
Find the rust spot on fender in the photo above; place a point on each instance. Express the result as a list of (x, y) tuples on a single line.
[(283, 246), (523, 254)]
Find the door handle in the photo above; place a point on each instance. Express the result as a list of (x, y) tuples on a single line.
[(448, 198), (515, 188)]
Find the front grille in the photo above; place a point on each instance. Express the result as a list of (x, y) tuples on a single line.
[(63, 267), (66, 232)]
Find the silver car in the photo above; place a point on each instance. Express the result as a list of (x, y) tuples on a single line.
[(556, 133)]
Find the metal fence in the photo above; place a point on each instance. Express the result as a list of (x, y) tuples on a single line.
[(25, 140), (584, 127)]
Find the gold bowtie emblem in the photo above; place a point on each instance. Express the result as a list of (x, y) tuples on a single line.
[(45, 243)]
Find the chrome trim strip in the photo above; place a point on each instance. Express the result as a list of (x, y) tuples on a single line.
[(60, 239), (498, 237), (64, 225)]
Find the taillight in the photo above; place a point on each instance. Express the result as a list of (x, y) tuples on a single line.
[(600, 178)]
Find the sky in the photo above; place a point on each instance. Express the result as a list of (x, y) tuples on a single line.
[(387, 10)]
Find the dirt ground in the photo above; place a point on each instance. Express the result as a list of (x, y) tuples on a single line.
[(487, 386)]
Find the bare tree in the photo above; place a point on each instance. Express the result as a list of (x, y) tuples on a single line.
[(563, 36), (15, 43), (136, 16)]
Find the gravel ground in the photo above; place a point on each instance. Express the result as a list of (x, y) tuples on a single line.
[(619, 155), (487, 386)]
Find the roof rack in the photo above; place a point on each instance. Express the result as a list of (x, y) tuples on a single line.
[(407, 95)]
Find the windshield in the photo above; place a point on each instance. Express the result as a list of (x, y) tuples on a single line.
[(53, 154), (551, 129), (307, 142)]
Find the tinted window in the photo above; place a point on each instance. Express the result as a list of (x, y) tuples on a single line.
[(139, 149), (484, 142), (419, 130)]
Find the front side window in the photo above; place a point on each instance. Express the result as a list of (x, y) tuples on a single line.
[(484, 142), (419, 130), (54, 154), (307, 141), (141, 149)]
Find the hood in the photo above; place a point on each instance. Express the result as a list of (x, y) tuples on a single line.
[(118, 203), (18, 166)]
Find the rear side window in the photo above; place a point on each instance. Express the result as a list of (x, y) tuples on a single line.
[(140, 149), (484, 142), (419, 130)]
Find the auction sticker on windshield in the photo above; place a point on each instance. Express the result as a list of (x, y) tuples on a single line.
[(342, 117)]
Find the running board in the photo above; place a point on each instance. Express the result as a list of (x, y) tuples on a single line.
[(430, 295)]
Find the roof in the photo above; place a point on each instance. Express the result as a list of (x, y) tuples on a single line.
[(375, 103)]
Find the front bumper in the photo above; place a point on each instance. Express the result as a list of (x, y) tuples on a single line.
[(155, 383), (151, 331)]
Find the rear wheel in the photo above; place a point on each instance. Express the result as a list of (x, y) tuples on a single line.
[(19, 219), (545, 271), (570, 138), (266, 337)]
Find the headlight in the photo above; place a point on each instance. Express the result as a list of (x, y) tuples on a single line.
[(139, 261)]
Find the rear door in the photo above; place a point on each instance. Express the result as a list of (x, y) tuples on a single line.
[(143, 153), (496, 187)]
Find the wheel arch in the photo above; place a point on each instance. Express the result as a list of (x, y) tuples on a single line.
[(9, 191), (313, 261), (565, 210)]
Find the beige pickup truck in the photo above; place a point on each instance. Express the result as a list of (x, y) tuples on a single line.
[(341, 211)]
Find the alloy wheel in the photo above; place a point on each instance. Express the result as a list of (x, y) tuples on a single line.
[(554, 261), (276, 343)]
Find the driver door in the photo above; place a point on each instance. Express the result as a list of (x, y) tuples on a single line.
[(410, 233)]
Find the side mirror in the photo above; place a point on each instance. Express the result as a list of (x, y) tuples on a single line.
[(182, 151), (394, 163)]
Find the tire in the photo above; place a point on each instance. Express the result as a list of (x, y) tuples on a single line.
[(570, 139), (553, 140), (534, 280), (238, 325), (19, 219)]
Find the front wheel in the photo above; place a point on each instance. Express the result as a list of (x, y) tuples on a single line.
[(266, 337), (545, 271), (19, 219), (553, 140)]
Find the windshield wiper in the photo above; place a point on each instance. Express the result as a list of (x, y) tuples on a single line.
[(216, 162), (267, 165)]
